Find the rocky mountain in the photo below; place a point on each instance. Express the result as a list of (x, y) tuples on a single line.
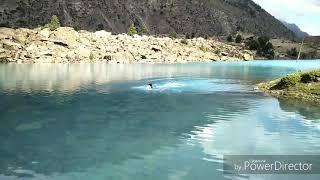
[(193, 17), (294, 28)]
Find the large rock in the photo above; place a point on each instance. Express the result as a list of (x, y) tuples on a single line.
[(10, 45), (102, 34), (66, 35), (247, 56), (45, 33), (6, 33)]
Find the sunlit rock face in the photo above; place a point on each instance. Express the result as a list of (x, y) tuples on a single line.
[(193, 17)]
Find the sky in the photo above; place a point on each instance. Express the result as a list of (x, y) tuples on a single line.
[(304, 13)]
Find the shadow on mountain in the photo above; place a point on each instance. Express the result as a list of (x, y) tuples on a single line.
[(158, 17)]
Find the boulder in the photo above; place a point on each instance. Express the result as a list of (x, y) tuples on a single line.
[(10, 45), (247, 56), (66, 35), (121, 58), (28, 126), (21, 38), (102, 34), (45, 33), (7, 32), (81, 53)]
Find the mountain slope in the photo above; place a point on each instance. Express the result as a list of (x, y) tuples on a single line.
[(198, 17), (294, 28)]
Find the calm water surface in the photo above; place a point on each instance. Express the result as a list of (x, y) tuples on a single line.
[(84, 121)]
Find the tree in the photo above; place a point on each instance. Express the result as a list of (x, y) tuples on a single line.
[(266, 48), (54, 23), (238, 39), (292, 52), (263, 40), (132, 30), (143, 30), (230, 38), (252, 44), (263, 46), (173, 35)]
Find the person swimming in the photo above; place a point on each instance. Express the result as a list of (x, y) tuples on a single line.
[(149, 87)]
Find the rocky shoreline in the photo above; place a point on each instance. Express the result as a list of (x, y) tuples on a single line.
[(65, 45)]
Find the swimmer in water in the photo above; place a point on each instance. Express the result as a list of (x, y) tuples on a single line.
[(149, 87)]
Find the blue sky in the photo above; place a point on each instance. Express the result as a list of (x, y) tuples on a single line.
[(304, 13)]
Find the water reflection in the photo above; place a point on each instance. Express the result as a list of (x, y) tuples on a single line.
[(85, 121), (71, 77), (311, 111)]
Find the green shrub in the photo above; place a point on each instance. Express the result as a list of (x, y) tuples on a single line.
[(54, 23), (132, 30), (184, 41), (238, 39), (230, 38), (143, 30), (173, 35), (289, 81), (313, 76)]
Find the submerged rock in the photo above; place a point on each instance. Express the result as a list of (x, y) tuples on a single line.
[(28, 126)]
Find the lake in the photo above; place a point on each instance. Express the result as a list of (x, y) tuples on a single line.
[(97, 121)]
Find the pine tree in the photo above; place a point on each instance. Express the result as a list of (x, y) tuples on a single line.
[(54, 23), (132, 30)]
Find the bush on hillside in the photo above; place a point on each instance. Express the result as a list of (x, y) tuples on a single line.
[(238, 39), (54, 23), (132, 30), (253, 44), (143, 30), (263, 46), (230, 38), (173, 35)]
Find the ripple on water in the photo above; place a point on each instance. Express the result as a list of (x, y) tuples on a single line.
[(181, 85)]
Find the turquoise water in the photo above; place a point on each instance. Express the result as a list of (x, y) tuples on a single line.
[(97, 121)]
